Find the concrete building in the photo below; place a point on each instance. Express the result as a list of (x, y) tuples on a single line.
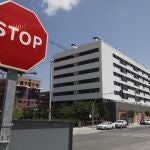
[(44, 100), (99, 71), (27, 92)]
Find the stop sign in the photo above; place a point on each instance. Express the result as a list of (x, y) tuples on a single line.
[(23, 39)]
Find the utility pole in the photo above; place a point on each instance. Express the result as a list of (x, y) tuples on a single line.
[(50, 91), (93, 112), (136, 108)]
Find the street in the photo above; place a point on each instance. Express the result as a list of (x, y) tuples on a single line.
[(118, 139)]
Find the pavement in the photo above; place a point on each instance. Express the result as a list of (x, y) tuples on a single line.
[(92, 129), (135, 137)]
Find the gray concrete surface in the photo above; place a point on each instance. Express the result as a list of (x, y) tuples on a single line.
[(134, 138), (92, 129)]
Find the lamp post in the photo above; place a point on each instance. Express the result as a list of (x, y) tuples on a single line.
[(50, 91), (93, 112), (136, 108)]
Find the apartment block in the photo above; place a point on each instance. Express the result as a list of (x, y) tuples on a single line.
[(99, 71), (27, 92)]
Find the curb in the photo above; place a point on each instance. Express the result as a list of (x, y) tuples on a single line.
[(92, 130)]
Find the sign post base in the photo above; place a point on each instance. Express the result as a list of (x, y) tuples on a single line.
[(7, 110)]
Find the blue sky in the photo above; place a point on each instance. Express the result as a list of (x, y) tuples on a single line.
[(125, 24)]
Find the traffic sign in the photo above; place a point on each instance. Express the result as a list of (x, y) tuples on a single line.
[(23, 39)]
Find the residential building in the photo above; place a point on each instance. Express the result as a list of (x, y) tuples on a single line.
[(99, 71), (27, 92), (44, 100)]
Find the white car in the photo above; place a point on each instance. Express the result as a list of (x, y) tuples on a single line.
[(147, 122), (120, 124), (105, 125)]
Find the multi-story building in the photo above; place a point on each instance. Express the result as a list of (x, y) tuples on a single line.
[(44, 100), (27, 91), (99, 71)]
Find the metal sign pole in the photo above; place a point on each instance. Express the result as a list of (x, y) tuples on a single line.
[(7, 110)]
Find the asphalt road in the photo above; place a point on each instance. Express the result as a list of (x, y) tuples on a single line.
[(118, 139)]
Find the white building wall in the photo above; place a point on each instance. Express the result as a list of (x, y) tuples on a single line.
[(105, 73)]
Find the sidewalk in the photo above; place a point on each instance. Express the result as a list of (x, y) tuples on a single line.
[(85, 130), (92, 130)]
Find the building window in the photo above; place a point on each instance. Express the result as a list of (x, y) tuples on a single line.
[(89, 80), (63, 75), (123, 78), (64, 58), (37, 85), (123, 70), (63, 93), (135, 68), (21, 82), (88, 61), (125, 96), (89, 52), (85, 91), (63, 84), (115, 56), (136, 76), (123, 62), (88, 71), (136, 83), (124, 87), (63, 67)]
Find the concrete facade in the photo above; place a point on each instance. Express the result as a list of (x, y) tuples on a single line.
[(97, 70), (119, 111), (27, 92)]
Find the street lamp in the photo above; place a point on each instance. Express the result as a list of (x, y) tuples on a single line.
[(93, 112), (136, 108), (50, 91)]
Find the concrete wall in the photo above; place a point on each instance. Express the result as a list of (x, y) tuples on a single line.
[(107, 71), (41, 135), (115, 109)]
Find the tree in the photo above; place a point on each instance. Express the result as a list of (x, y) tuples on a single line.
[(28, 113), (82, 109), (17, 114), (41, 112), (55, 110), (102, 110)]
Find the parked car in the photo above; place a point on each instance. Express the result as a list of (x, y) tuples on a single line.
[(120, 124), (105, 125), (145, 122)]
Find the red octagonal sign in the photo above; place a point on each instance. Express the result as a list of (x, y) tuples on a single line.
[(23, 39)]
